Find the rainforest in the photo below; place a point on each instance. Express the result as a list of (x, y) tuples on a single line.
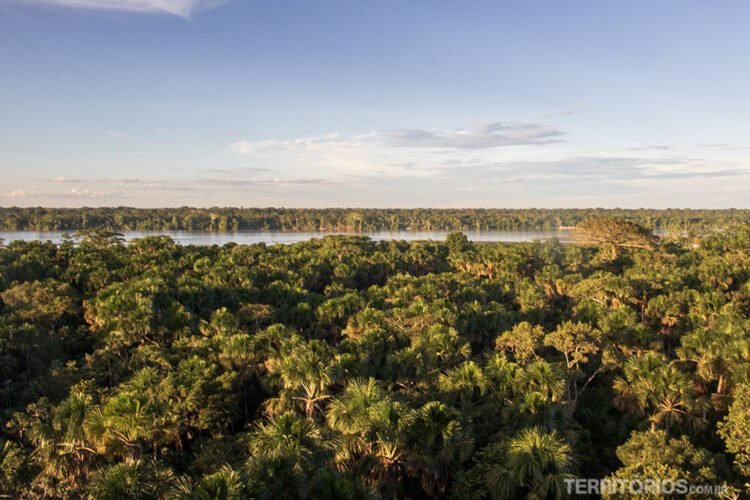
[(352, 219), (345, 368)]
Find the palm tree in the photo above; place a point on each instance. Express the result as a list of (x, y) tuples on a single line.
[(545, 378), (436, 444), (635, 390), (118, 481), (366, 419), (535, 409), (286, 435), (237, 355), (332, 485), (465, 384), (359, 407), (131, 479), (62, 446), (676, 403), (537, 463), (11, 463), (716, 351), (306, 371), (123, 425), (442, 347), (226, 484), (272, 478), (367, 319), (659, 390), (502, 376)]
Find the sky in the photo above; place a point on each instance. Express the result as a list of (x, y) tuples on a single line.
[(375, 103)]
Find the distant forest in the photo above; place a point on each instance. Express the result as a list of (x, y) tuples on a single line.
[(354, 219)]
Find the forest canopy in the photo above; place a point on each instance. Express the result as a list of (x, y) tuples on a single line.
[(353, 219), (347, 368)]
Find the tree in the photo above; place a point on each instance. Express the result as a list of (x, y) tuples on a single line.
[(44, 304), (63, 450), (735, 428), (619, 233), (132, 420), (657, 456), (578, 343), (522, 341), (709, 351), (659, 390), (137, 312), (306, 371), (286, 436), (536, 465), (367, 422), (131, 479), (226, 484), (435, 444), (545, 378), (465, 385), (11, 466)]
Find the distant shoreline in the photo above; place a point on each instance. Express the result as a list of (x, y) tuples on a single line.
[(223, 220)]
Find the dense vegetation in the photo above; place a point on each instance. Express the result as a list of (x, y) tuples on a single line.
[(303, 219), (347, 368)]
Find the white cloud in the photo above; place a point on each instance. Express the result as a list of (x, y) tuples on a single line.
[(300, 145), (182, 8), (727, 147), (490, 135), (19, 193), (405, 153), (73, 193), (329, 154), (116, 133), (485, 136)]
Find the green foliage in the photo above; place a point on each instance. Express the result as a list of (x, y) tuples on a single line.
[(11, 465), (102, 222), (655, 455), (615, 233), (523, 341), (131, 479), (735, 429), (346, 368)]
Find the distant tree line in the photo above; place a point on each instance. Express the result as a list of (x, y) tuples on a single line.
[(353, 219)]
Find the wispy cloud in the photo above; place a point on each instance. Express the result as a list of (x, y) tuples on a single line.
[(727, 147), (66, 180), (182, 8), (297, 145), (479, 178), (655, 147), (236, 170), (19, 193), (329, 154), (116, 133), (491, 135), (602, 169), (417, 167), (73, 193), (475, 158), (486, 136), (560, 113)]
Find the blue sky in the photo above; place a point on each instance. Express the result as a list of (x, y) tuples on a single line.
[(374, 103)]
